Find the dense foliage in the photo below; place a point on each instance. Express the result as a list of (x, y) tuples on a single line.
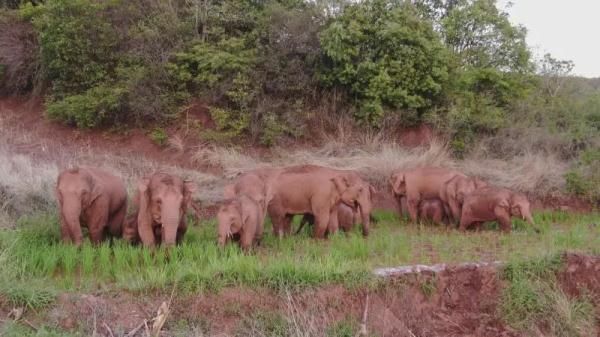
[(275, 69)]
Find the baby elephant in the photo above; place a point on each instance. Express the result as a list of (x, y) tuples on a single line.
[(93, 198), (239, 219), (494, 203), (433, 210), (347, 217)]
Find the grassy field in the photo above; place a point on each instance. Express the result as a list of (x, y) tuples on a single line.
[(37, 266)]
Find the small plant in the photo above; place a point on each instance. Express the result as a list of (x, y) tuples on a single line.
[(428, 287), (345, 328), (159, 136)]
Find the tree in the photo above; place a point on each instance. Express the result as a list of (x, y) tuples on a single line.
[(386, 57)]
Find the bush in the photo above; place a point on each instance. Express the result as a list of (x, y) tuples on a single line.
[(159, 136), (584, 179), (98, 106), (385, 56), (19, 62)]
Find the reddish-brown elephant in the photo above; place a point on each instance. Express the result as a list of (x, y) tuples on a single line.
[(347, 217), (162, 201), (90, 197), (494, 203), (418, 184), (252, 185), (432, 210), (454, 191), (239, 219), (317, 193), (363, 203)]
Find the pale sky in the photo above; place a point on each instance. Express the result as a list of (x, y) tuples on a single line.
[(567, 29)]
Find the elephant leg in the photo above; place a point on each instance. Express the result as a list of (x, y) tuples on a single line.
[(437, 217), (321, 224), (97, 226), (454, 210), (413, 209), (503, 218), (400, 208), (465, 222), (333, 223), (117, 221), (181, 232)]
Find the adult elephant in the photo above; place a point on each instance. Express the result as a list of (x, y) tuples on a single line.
[(162, 201), (90, 197), (418, 184), (454, 191), (494, 203), (317, 193), (363, 204)]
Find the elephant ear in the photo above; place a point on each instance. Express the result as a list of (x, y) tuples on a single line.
[(189, 188), (373, 190), (340, 183), (398, 182), (95, 189), (505, 204)]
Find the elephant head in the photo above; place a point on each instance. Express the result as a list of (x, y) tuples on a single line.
[(163, 200), (520, 207), (229, 219), (76, 190), (358, 195)]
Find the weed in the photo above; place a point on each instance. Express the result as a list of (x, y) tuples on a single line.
[(159, 136), (534, 298)]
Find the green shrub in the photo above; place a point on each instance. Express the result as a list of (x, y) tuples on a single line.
[(584, 179), (98, 106), (159, 136), (77, 43)]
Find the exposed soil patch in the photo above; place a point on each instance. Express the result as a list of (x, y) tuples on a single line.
[(459, 301)]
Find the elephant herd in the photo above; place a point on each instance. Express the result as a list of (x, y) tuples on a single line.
[(327, 198)]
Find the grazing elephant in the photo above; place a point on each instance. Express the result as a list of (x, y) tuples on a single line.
[(93, 198), (252, 185), (494, 203), (453, 192), (162, 201), (239, 219), (364, 198), (433, 210), (316, 193), (346, 216), (418, 184)]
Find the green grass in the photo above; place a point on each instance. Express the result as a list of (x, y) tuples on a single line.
[(533, 299), (34, 254)]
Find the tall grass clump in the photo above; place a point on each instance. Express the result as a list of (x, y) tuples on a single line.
[(534, 300)]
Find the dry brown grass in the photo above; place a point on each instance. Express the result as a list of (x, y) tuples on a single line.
[(536, 173)]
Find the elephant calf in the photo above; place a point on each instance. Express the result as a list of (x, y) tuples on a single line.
[(494, 203), (433, 210), (240, 219), (454, 191), (346, 216), (93, 198)]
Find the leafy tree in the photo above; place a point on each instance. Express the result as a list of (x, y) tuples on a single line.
[(385, 56)]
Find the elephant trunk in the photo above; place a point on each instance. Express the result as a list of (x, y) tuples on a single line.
[(365, 213), (170, 222), (71, 210)]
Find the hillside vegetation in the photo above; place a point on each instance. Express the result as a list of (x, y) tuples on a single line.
[(272, 71)]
